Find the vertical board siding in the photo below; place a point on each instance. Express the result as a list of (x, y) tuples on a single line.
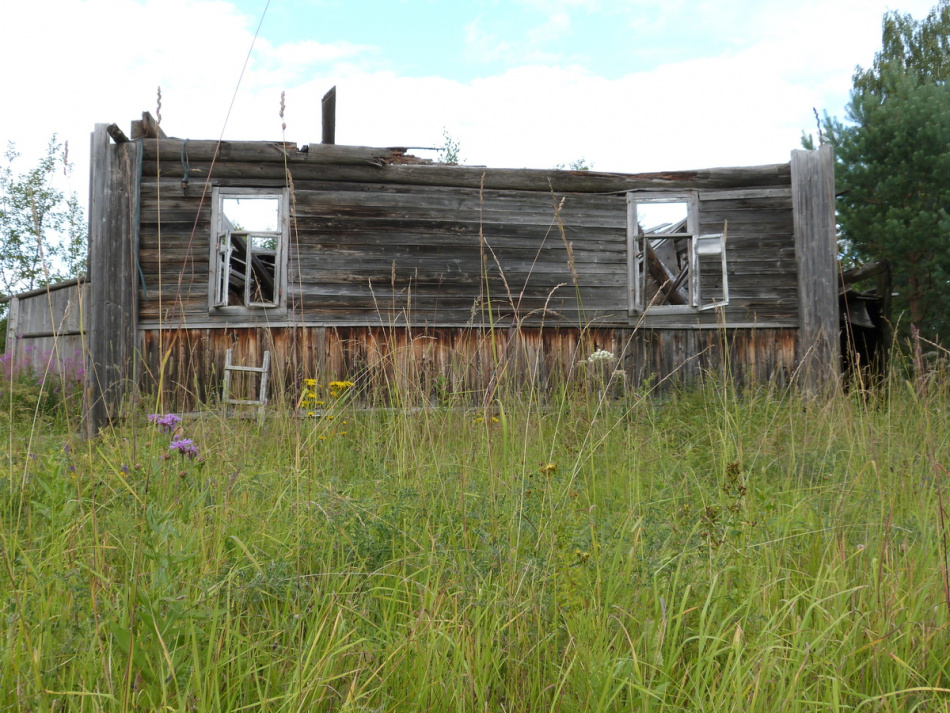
[(44, 331), (426, 365)]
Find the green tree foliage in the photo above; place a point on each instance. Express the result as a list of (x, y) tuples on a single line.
[(577, 165), (893, 165), (449, 153), (42, 230)]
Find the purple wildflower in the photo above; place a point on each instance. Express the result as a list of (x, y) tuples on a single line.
[(167, 422), (185, 446), (125, 469), (65, 448)]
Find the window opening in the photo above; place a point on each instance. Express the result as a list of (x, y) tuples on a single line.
[(670, 264), (249, 251), (713, 278)]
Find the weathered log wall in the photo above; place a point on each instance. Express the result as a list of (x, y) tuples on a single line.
[(435, 280), (378, 243)]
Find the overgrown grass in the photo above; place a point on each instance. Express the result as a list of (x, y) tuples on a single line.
[(703, 551)]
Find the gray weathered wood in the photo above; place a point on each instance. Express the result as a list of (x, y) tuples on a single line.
[(111, 298), (746, 193), (380, 239), (150, 127), (269, 158), (813, 199), (328, 106), (269, 152), (45, 289), (351, 236), (117, 134)]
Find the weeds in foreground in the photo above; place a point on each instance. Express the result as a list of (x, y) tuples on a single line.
[(703, 552)]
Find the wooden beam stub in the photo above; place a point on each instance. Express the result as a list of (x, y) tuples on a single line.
[(329, 116), (147, 128), (117, 134)]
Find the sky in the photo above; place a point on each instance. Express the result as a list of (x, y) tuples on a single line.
[(626, 85)]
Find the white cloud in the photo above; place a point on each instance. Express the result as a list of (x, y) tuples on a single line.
[(309, 52)]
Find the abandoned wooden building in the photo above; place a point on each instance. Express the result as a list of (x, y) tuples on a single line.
[(376, 266)]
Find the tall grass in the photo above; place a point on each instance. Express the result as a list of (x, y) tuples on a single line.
[(704, 551)]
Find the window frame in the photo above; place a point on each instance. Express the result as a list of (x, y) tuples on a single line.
[(699, 245), (221, 248)]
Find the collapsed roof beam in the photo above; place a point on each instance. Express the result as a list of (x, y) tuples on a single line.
[(147, 128)]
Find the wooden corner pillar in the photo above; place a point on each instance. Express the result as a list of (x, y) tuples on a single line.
[(816, 251), (112, 298)]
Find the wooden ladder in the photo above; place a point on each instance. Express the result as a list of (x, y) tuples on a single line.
[(263, 370)]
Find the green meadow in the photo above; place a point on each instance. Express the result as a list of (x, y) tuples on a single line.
[(691, 550)]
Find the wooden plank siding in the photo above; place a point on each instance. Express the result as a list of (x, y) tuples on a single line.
[(428, 364), (432, 279), (44, 329)]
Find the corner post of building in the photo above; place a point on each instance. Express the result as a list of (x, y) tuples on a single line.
[(113, 291), (816, 250)]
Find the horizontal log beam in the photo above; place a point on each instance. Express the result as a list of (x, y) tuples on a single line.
[(863, 272), (275, 152), (521, 179)]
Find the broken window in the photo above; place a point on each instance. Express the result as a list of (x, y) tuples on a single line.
[(249, 248), (670, 264)]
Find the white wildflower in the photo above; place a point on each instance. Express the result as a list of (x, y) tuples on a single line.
[(599, 357)]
